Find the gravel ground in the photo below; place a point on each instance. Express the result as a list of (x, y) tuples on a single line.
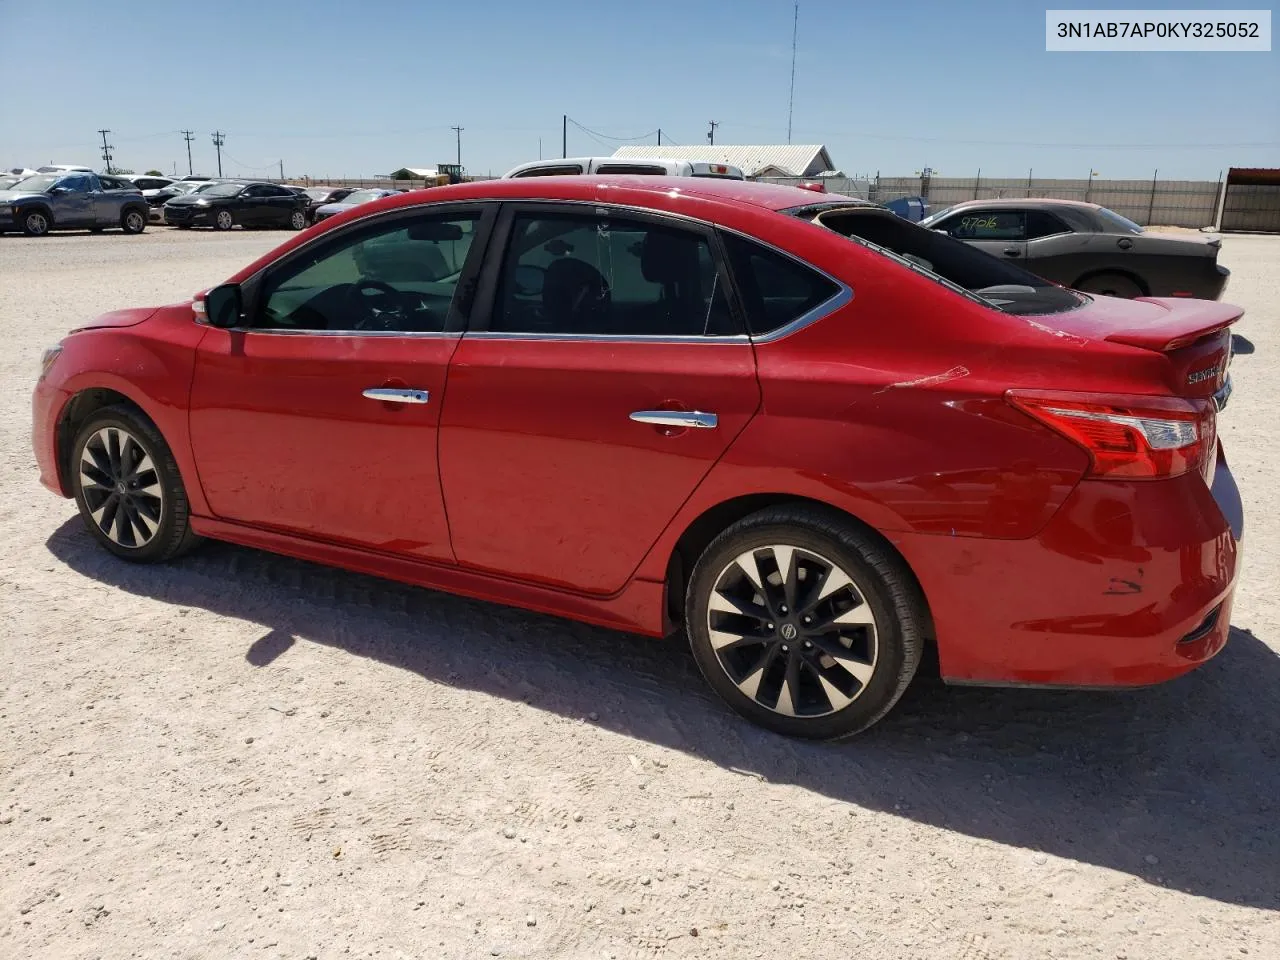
[(241, 755)]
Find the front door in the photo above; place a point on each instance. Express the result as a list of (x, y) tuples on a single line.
[(602, 378), (319, 416), (73, 201)]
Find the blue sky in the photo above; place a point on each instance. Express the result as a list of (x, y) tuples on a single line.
[(349, 89)]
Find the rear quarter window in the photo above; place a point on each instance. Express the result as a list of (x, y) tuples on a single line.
[(776, 290)]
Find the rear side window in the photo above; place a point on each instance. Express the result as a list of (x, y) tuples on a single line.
[(1042, 224), (646, 170), (776, 289)]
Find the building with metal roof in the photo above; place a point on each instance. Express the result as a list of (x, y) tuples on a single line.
[(787, 160)]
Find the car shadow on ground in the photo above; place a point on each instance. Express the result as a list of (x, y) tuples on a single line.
[(1177, 784)]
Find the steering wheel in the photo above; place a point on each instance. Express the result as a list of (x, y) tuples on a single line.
[(373, 298)]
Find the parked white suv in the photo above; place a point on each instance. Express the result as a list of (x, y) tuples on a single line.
[(576, 166)]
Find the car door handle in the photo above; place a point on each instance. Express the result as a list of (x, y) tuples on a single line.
[(393, 395), (1012, 252), (677, 418)]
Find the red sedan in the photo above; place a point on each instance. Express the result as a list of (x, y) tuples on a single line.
[(812, 435)]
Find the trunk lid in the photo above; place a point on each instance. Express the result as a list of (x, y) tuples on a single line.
[(1192, 334)]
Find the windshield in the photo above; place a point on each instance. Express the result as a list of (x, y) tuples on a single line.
[(38, 184), (221, 189), (363, 196), (319, 193), (1116, 223), (182, 186)]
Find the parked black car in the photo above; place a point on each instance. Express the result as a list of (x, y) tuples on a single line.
[(1088, 247), (317, 197), (224, 205)]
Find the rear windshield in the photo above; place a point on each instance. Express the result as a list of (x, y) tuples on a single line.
[(956, 265)]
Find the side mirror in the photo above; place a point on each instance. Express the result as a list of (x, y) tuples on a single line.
[(224, 306), (58, 191)]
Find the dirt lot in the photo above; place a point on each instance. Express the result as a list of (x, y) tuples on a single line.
[(245, 756)]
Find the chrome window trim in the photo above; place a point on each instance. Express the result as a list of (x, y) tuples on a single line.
[(404, 334), (737, 338)]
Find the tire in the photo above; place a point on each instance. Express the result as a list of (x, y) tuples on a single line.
[(133, 221), (183, 226), (36, 223), (874, 619), (223, 220), (298, 220), (1110, 285), (119, 457)]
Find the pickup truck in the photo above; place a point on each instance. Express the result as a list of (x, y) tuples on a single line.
[(70, 201)]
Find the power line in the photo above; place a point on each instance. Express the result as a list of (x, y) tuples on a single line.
[(605, 136), (219, 138)]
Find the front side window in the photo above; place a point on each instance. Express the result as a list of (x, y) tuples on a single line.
[(76, 184), (397, 276), (576, 274), (558, 170), (986, 225)]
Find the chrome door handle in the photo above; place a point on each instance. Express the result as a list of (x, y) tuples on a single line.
[(392, 395), (677, 418)]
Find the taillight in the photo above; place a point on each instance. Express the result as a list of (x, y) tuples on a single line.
[(1128, 436)]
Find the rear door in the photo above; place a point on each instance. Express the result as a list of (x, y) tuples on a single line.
[(279, 205), (603, 375), (1000, 231)]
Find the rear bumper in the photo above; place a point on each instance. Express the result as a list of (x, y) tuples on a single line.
[(1129, 584)]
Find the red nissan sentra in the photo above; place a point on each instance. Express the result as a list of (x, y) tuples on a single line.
[(814, 436)]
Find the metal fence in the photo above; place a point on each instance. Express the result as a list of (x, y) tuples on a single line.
[(1170, 203)]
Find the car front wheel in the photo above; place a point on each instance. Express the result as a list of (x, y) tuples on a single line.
[(128, 489), (36, 223), (804, 623)]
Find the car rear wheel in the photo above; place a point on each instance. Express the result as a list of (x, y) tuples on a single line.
[(298, 220), (36, 223), (1110, 285), (128, 488), (223, 220), (804, 623), (133, 221)]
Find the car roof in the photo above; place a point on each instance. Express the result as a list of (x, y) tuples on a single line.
[(635, 189), (1025, 202)]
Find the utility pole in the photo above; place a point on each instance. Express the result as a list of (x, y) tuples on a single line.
[(219, 138), (564, 136), (659, 136), (711, 134), (281, 171), (106, 149), (458, 133), (188, 136), (791, 101)]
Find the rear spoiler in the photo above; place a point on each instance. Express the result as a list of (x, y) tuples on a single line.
[(1185, 322)]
